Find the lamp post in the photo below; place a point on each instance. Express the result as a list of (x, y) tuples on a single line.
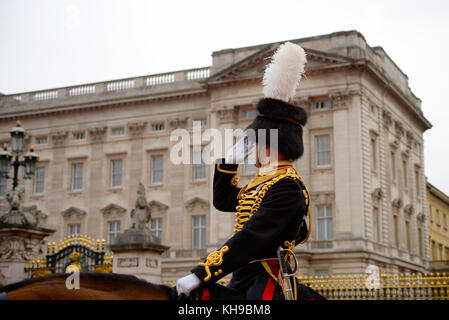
[(29, 162)]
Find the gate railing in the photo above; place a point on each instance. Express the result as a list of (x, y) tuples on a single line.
[(75, 253), (396, 286)]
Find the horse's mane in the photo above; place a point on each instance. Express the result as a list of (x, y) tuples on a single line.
[(93, 276)]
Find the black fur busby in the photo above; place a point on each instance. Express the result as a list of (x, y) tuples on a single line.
[(280, 81), (287, 119)]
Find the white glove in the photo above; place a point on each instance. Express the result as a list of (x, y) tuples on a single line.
[(239, 151), (187, 284)]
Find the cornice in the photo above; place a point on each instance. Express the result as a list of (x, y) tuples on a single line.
[(100, 104), (372, 68)]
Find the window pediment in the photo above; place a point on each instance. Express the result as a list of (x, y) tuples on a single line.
[(397, 203), (421, 217), (73, 213), (409, 209), (157, 207), (197, 203), (113, 210), (377, 194)]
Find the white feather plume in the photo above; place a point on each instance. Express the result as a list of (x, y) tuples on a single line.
[(283, 73)]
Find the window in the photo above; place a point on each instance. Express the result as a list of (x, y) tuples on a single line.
[(156, 227), (407, 235), (79, 136), (199, 167), (324, 222), (42, 140), (376, 225), (322, 105), (440, 252), (321, 273), (116, 173), (113, 231), (74, 229), (249, 113), (420, 244), (199, 122), (434, 251), (437, 217), (444, 221), (404, 173), (396, 230), (430, 214), (417, 182), (118, 131), (39, 180), (373, 153), (157, 169), (77, 176), (393, 166), (158, 127), (199, 232), (4, 185), (323, 150)]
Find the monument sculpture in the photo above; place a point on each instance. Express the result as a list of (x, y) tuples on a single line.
[(141, 214), (15, 213), (137, 251)]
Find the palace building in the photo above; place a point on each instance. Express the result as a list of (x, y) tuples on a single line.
[(438, 203), (363, 161)]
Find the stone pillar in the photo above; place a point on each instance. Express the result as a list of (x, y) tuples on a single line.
[(138, 253), (18, 245), (21, 236)]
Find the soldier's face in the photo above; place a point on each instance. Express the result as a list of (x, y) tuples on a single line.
[(262, 155)]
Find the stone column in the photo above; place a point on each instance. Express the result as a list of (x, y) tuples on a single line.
[(21, 236), (18, 245), (139, 254)]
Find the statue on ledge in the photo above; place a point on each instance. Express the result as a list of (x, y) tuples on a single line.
[(14, 212), (141, 214)]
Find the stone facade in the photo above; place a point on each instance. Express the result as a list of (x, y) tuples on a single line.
[(438, 228), (355, 96)]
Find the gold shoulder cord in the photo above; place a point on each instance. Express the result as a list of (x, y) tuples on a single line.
[(214, 259), (249, 204), (235, 178)]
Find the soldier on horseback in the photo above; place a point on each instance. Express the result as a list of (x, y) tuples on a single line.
[(272, 210)]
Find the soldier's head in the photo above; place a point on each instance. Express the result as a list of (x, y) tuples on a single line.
[(278, 125), (277, 131)]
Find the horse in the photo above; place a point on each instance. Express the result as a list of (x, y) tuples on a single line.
[(92, 286), (114, 286)]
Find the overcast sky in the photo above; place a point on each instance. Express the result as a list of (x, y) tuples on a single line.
[(48, 44)]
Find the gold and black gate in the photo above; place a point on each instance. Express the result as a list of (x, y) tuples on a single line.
[(73, 254)]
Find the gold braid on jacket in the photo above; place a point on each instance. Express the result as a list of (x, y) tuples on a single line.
[(250, 203)]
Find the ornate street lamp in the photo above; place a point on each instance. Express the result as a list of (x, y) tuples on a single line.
[(5, 160), (31, 158), (18, 135)]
